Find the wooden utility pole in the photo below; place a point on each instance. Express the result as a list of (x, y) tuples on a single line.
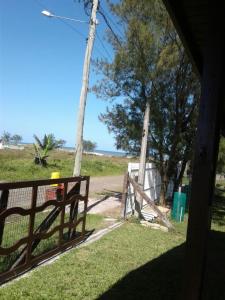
[(84, 90), (144, 145)]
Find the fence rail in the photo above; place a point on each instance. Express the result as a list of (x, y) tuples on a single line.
[(39, 219)]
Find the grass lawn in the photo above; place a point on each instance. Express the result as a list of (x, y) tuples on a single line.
[(132, 262), (18, 228), (18, 165), (88, 272)]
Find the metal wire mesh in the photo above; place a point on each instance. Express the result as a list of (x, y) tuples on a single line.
[(20, 224)]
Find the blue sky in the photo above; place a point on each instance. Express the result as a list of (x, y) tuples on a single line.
[(41, 63)]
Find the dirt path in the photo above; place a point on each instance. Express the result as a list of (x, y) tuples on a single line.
[(103, 195), (103, 185)]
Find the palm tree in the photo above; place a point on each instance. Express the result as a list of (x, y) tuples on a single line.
[(42, 147)]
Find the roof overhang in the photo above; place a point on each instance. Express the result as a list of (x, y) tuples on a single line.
[(191, 18)]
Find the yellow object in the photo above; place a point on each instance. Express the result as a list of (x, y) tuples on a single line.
[(55, 175)]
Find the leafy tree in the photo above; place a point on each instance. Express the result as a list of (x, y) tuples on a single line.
[(42, 148), (6, 136), (150, 66), (16, 139), (89, 146)]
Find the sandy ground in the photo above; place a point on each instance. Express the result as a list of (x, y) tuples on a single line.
[(103, 185), (104, 196)]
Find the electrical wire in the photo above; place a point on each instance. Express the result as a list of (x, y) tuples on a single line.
[(110, 27), (42, 6), (103, 46), (111, 20)]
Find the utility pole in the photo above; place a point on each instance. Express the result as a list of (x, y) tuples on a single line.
[(144, 144), (84, 90)]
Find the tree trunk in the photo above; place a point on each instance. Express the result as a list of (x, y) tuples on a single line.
[(164, 184), (178, 180), (144, 145)]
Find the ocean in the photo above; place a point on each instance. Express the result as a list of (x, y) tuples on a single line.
[(103, 152)]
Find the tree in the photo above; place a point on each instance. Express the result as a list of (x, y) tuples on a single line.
[(89, 146), (150, 66), (42, 148), (6, 136), (16, 139)]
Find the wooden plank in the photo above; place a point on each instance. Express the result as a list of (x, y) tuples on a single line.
[(4, 196), (178, 15), (85, 207), (124, 196), (63, 214), (25, 184), (206, 150), (151, 203), (73, 210), (31, 223)]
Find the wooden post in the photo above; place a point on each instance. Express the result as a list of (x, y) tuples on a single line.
[(74, 209), (124, 196), (84, 90), (203, 179)]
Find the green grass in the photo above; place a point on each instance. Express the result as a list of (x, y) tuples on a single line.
[(132, 262), (88, 272), (18, 165), (18, 228)]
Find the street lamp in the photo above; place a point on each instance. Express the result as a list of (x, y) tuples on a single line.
[(85, 79), (50, 15)]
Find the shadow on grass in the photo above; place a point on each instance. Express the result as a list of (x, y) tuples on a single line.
[(158, 279), (161, 278)]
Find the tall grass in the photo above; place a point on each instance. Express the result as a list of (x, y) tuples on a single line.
[(18, 165)]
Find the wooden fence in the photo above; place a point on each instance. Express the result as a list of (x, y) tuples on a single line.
[(137, 207), (39, 219)]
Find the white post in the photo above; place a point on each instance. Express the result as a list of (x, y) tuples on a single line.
[(84, 89)]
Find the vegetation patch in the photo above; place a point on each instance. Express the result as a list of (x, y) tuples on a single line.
[(18, 165)]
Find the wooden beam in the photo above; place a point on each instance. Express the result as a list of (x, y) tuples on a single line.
[(4, 197), (208, 132), (161, 216), (180, 21)]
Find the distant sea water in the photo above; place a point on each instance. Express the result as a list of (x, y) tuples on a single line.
[(103, 152)]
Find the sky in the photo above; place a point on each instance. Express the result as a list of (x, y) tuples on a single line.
[(41, 63)]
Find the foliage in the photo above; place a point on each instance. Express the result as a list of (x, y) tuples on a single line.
[(6, 137), (17, 165), (16, 139), (89, 146), (42, 148), (221, 157), (150, 65)]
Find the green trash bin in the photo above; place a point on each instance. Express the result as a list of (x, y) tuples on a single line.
[(179, 206)]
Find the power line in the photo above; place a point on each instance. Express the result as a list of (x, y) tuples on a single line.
[(110, 27), (111, 20), (103, 46), (69, 25), (63, 21)]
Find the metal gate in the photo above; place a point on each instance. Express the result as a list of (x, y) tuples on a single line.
[(39, 219)]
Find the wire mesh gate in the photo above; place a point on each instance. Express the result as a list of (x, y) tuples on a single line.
[(39, 219)]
